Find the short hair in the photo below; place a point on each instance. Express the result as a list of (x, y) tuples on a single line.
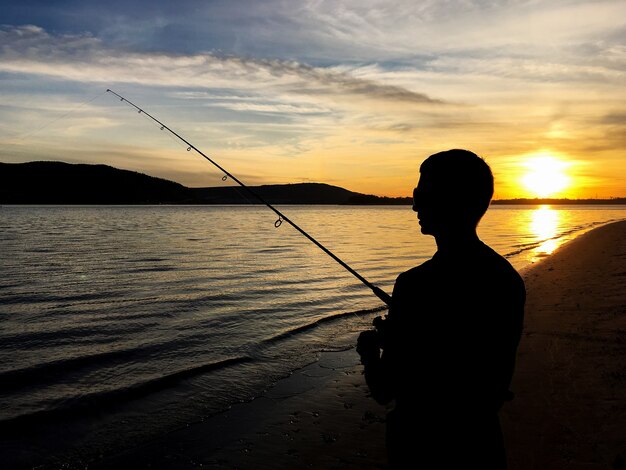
[(462, 176)]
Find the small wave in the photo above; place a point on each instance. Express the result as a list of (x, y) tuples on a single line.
[(9, 285), (527, 247), (531, 246), (73, 335), (39, 250), (50, 372), (320, 321), (95, 401), (150, 269), (32, 297), (274, 249)]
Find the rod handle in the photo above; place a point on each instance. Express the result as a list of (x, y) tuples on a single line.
[(382, 295)]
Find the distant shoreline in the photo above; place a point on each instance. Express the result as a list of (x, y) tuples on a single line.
[(58, 183), (556, 202), (515, 202)]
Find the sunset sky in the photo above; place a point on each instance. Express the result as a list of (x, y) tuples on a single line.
[(354, 94)]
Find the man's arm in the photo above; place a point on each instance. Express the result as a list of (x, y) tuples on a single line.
[(376, 371), (513, 330), (500, 357), (379, 366)]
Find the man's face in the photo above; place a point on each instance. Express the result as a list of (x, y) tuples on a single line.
[(428, 205), (441, 210)]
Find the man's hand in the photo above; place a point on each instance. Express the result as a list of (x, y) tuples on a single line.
[(367, 347)]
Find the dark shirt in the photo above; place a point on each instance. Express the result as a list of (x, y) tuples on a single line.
[(449, 344)]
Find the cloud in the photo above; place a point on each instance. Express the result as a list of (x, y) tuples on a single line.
[(614, 119), (331, 83), (31, 50)]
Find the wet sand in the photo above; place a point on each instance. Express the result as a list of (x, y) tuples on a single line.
[(570, 384), (570, 380)]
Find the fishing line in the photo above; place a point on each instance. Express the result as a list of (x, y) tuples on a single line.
[(382, 295), (240, 193), (19, 138)]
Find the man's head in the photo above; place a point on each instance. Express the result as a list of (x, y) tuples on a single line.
[(453, 193)]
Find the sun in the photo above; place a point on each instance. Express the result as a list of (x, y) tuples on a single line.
[(546, 176)]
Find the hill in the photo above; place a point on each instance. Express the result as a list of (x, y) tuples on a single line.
[(299, 193), (64, 183), (295, 193)]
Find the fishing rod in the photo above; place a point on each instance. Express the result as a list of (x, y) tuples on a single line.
[(382, 295)]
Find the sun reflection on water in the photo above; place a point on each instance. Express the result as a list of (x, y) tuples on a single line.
[(544, 225)]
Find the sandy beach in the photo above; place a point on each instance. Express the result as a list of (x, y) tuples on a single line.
[(570, 380), (569, 410)]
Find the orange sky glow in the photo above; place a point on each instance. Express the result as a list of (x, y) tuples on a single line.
[(354, 96)]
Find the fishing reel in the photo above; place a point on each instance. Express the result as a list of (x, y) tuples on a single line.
[(381, 327), (370, 342)]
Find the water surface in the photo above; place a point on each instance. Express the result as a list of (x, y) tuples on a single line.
[(130, 321)]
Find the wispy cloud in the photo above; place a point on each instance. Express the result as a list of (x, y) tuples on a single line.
[(342, 91), (31, 50)]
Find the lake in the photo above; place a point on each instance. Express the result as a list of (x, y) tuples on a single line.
[(126, 322)]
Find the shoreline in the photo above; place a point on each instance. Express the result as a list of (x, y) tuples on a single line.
[(321, 416), (526, 203), (568, 412), (570, 378)]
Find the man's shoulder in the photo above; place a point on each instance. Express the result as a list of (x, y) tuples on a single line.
[(500, 270), (499, 261), (483, 263), (421, 270)]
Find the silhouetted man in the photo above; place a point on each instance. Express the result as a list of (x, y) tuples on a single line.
[(450, 338)]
